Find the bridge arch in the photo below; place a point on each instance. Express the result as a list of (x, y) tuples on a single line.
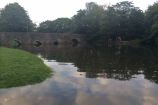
[(37, 43), (57, 42), (75, 42), (16, 43)]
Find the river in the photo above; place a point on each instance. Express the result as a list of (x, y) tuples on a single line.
[(85, 75)]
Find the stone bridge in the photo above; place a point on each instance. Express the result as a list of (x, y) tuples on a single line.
[(37, 39)]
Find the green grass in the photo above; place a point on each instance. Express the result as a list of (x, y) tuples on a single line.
[(19, 68)]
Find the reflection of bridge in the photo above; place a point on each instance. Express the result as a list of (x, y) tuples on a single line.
[(105, 62), (8, 38)]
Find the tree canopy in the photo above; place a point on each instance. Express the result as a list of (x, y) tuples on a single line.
[(97, 22), (123, 19), (59, 25), (152, 19), (101, 22), (87, 21), (13, 18)]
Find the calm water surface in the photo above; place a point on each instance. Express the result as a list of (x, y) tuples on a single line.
[(91, 76)]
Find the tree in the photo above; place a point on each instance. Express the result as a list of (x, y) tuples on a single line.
[(154, 29), (136, 25), (123, 19), (151, 18), (59, 25), (14, 18), (87, 21), (62, 25), (45, 26), (79, 22)]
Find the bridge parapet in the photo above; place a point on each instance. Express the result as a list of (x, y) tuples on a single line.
[(24, 38)]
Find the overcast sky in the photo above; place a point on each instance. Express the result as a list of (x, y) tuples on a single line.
[(41, 10)]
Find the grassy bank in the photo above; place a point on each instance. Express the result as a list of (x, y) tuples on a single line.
[(18, 68)]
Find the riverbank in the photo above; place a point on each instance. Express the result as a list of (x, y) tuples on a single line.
[(19, 68)]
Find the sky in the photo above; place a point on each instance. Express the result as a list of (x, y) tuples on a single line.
[(41, 10)]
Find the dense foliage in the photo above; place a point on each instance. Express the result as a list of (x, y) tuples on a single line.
[(87, 21), (123, 19), (152, 19), (13, 18), (59, 25), (95, 22)]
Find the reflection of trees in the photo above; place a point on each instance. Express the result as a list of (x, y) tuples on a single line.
[(107, 62)]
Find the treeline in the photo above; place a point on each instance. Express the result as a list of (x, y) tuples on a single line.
[(95, 22)]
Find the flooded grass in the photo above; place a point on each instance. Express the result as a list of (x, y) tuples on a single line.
[(18, 68)]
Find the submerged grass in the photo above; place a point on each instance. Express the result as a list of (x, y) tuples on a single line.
[(18, 68)]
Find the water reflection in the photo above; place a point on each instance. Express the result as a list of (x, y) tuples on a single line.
[(91, 76), (121, 63)]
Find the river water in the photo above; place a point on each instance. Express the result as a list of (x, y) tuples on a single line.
[(91, 76)]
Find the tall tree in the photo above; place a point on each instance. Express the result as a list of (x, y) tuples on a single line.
[(154, 29), (14, 18), (152, 18), (123, 19), (87, 21)]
